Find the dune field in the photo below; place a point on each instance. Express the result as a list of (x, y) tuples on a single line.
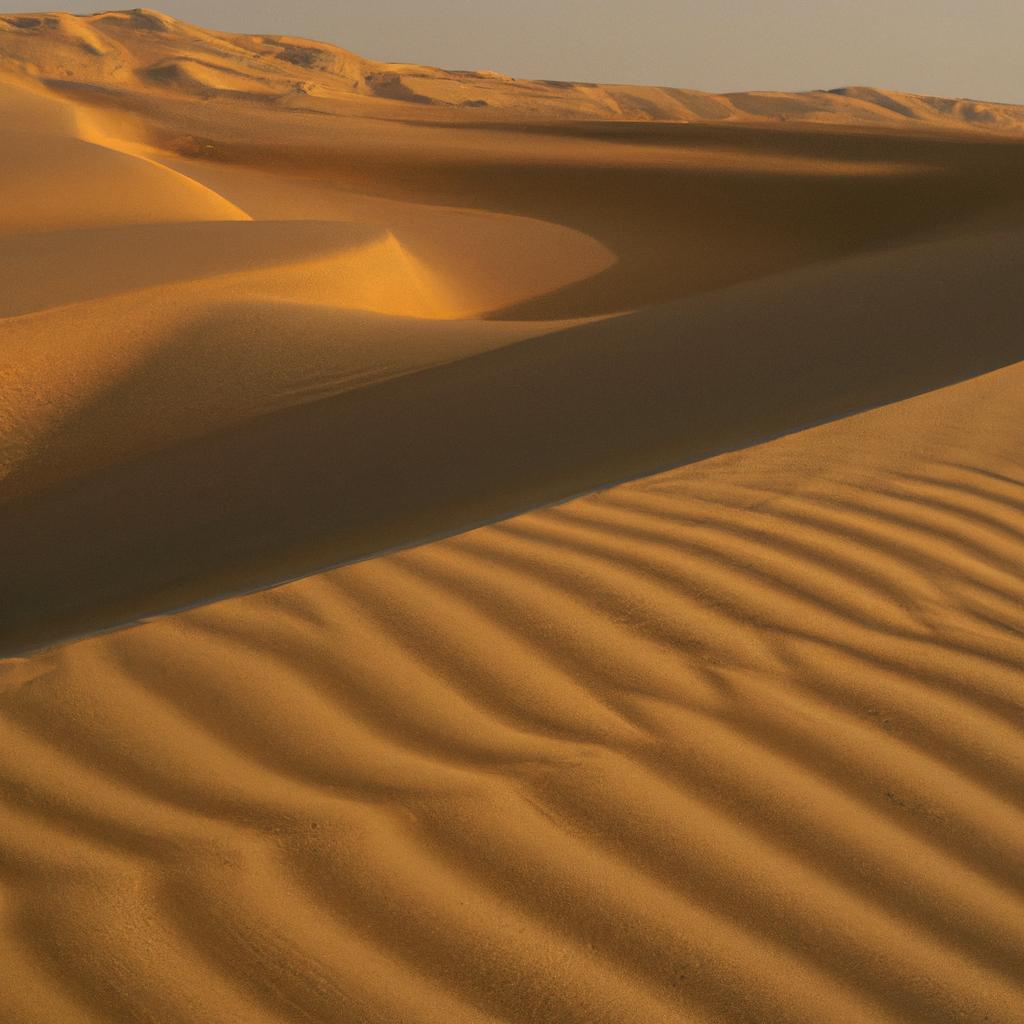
[(476, 551)]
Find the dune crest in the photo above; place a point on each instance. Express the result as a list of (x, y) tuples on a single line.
[(476, 551), (114, 53)]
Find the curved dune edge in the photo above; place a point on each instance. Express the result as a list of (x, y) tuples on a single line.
[(740, 741), (65, 182), (481, 435), (128, 324), (181, 330)]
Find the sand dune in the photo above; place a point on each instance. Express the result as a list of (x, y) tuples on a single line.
[(116, 52), (737, 742), (468, 439), (653, 505)]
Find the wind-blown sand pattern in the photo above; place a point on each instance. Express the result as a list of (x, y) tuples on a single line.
[(735, 736)]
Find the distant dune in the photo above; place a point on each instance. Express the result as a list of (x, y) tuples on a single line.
[(476, 550), (119, 52)]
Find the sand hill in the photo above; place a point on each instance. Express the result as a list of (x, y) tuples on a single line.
[(118, 53), (647, 471)]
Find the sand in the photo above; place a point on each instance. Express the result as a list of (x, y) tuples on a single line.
[(486, 551)]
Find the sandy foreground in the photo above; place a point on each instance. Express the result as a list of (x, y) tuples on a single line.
[(671, 449)]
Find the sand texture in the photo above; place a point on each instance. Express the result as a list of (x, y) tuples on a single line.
[(476, 551)]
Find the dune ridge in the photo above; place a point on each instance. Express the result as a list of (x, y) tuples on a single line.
[(115, 52), (601, 538)]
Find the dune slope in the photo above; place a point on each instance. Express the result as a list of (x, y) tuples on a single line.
[(738, 742), (472, 439), (488, 551)]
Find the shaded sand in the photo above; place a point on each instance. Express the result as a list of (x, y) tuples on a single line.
[(736, 736)]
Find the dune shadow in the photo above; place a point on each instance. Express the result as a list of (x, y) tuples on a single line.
[(441, 450)]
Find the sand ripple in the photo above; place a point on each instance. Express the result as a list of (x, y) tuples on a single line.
[(708, 747)]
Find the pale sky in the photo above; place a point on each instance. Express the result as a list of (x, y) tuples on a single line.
[(967, 48)]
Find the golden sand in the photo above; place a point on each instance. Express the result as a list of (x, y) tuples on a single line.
[(735, 736)]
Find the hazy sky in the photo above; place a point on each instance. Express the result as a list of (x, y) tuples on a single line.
[(967, 48)]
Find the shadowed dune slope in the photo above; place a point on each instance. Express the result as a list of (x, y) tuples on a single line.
[(433, 451), (652, 497)]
